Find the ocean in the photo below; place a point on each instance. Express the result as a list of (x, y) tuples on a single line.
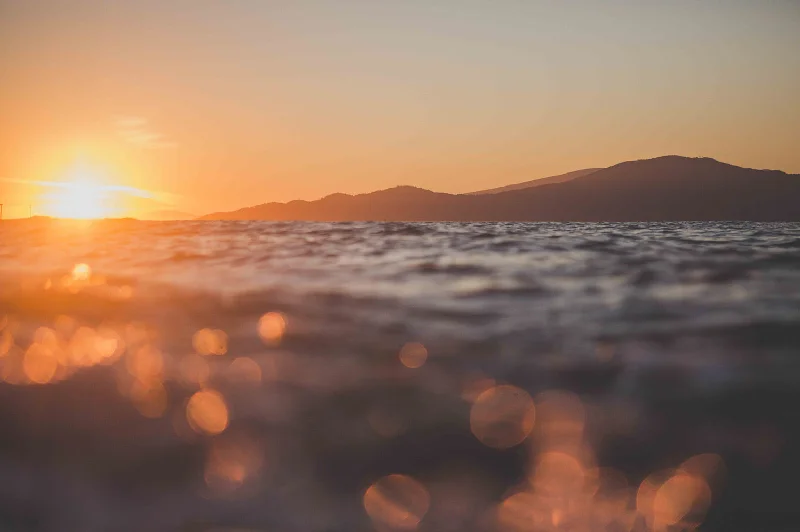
[(302, 376)]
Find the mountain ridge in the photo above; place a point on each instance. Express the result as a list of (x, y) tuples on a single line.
[(667, 188), (560, 178)]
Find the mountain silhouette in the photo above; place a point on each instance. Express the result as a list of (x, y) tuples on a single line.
[(670, 188), (569, 176), (166, 214)]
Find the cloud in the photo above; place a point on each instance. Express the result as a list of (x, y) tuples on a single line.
[(136, 130)]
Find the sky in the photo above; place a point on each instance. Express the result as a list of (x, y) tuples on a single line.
[(204, 105)]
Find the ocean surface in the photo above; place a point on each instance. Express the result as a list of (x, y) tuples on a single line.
[(216, 376)]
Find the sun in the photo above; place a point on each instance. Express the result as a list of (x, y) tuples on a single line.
[(80, 195), (80, 200)]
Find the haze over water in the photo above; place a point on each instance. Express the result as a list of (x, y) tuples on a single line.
[(440, 376)]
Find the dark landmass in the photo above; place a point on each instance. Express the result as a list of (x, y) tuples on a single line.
[(167, 214), (669, 188), (569, 176)]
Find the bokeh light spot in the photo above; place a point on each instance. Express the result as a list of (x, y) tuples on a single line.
[(271, 327), (40, 364), (6, 342), (81, 272), (502, 416), (708, 466), (146, 364), (396, 502), (413, 355), (210, 342), (231, 462), (558, 474), (560, 419), (682, 497), (207, 412), (244, 369), (150, 399)]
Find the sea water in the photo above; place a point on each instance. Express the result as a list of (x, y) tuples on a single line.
[(397, 376)]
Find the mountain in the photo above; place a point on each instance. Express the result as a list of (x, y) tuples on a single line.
[(569, 176), (669, 188), (167, 215)]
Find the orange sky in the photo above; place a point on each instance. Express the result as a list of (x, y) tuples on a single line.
[(216, 105)]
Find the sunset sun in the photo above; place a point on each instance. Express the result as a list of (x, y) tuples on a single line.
[(80, 200), (81, 194)]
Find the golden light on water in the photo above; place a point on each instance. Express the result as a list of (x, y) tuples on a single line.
[(194, 369), (646, 494), (6, 341), (502, 416), (396, 502), (683, 498), (271, 327), (149, 398), (210, 342), (244, 370), (558, 474), (12, 371), (708, 466), (231, 462), (522, 512), (39, 364), (89, 346), (81, 272), (207, 412), (474, 385), (563, 488), (146, 364), (566, 491), (413, 355), (6, 336), (560, 420)]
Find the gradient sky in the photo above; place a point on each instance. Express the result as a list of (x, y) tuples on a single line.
[(215, 105)]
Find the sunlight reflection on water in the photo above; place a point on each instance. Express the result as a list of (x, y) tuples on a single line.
[(295, 392)]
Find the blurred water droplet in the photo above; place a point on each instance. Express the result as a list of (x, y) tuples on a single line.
[(210, 342), (271, 327), (502, 416), (413, 355), (146, 364), (244, 369), (558, 474), (396, 502), (39, 364), (682, 498), (149, 398), (231, 462), (207, 412)]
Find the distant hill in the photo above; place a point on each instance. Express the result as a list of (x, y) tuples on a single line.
[(539, 182), (669, 188), (167, 214)]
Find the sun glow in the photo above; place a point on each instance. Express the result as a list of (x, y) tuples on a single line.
[(85, 192), (80, 200), (80, 194)]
